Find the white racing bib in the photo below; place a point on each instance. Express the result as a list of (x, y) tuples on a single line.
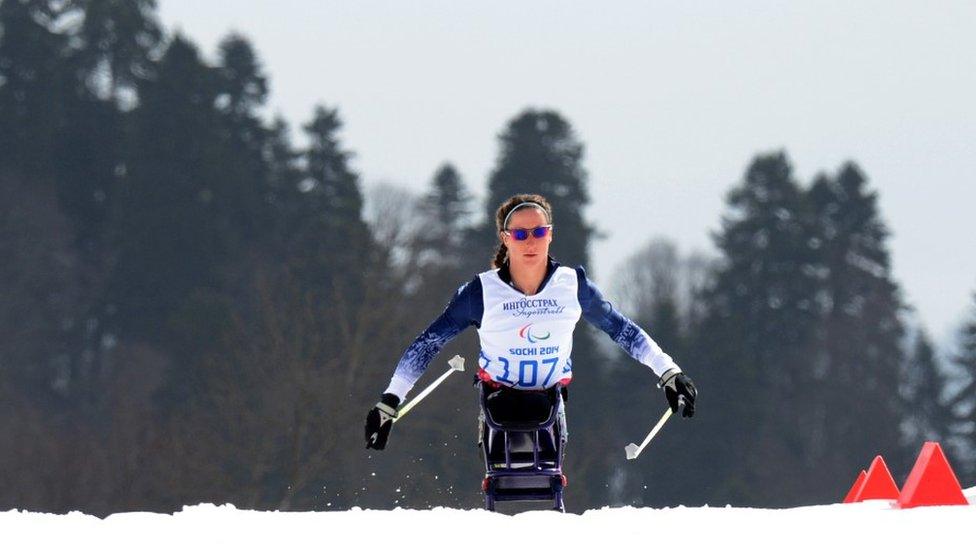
[(526, 342)]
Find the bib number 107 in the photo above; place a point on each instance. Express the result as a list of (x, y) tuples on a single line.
[(526, 372)]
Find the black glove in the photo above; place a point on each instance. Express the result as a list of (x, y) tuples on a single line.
[(379, 421), (680, 391)]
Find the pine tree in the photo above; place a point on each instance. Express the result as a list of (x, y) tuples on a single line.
[(118, 38), (284, 189), (541, 154), (330, 240), (42, 114), (317, 317), (963, 400), (167, 223), (437, 243), (446, 214), (242, 80), (34, 86), (861, 331), (754, 344), (112, 45), (927, 415), (245, 214)]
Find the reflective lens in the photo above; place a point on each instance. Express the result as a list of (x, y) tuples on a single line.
[(523, 234)]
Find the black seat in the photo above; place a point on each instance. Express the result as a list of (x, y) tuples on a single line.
[(511, 409), (521, 423), (522, 445)]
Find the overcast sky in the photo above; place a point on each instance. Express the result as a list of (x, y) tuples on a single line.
[(672, 100)]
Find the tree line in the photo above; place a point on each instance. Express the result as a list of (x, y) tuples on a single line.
[(195, 309)]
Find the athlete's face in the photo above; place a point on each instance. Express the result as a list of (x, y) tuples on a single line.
[(531, 251)]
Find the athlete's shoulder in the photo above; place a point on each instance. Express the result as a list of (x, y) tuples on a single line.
[(490, 276), (585, 287), (471, 287), (564, 275), (466, 307)]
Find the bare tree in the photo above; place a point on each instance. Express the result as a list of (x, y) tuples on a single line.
[(657, 276)]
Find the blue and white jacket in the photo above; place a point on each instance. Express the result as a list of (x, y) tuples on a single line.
[(526, 341)]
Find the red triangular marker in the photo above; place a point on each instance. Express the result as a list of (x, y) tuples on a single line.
[(878, 483), (849, 498), (931, 481)]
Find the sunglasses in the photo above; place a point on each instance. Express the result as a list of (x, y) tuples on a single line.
[(523, 234)]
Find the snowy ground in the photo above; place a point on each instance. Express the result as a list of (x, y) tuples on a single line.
[(868, 524)]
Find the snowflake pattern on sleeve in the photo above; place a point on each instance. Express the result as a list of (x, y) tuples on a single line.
[(631, 340), (423, 350), (465, 309), (621, 329)]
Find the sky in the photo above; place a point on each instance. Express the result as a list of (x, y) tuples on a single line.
[(671, 99)]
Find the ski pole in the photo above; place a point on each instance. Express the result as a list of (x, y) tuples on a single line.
[(457, 365), (634, 450)]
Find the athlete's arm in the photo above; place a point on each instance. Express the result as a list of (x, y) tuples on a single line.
[(465, 309), (623, 331)]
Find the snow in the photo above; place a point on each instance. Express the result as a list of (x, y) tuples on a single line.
[(868, 524)]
